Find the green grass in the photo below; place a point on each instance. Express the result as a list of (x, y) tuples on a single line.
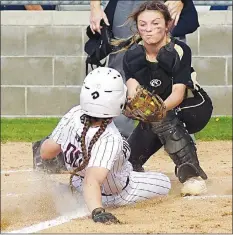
[(32, 129), (217, 129), (26, 129)]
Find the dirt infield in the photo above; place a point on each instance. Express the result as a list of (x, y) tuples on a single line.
[(30, 199)]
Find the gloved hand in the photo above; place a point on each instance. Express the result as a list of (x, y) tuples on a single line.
[(145, 106), (99, 215)]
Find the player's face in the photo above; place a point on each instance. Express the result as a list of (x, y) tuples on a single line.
[(151, 26)]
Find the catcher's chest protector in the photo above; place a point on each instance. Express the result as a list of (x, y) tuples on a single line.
[(149, 75)]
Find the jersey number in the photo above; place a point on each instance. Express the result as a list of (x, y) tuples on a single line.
[(126, 149), (73, 157)]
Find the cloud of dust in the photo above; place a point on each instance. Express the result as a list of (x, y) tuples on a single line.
[(66, 202), (63, 201), (40, 197)]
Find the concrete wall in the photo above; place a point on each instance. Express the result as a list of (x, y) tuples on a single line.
[(43, 60)]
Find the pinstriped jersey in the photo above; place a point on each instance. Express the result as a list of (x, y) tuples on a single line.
[(110, 151)]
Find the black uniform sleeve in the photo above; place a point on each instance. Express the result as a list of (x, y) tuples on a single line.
[(183, 74), (188, 21), (128, 73)]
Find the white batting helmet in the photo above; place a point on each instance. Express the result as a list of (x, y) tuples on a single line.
[(103, 93)]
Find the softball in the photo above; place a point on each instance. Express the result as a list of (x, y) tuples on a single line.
[(194, 187)]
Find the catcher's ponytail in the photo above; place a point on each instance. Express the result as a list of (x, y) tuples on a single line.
[(125, 44)]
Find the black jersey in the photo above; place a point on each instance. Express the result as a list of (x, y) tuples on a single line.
[(152, 76)]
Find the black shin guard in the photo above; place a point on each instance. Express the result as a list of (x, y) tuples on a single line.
[(180, 147)]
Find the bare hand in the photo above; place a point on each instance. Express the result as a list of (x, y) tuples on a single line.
[(97, 14), (175, 8), (132, 85)]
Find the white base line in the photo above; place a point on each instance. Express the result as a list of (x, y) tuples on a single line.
[(46, 224), (207, 197), (64, 219), (21, 181), (15, 194), (16, 171)]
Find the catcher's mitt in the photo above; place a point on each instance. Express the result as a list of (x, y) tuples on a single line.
[(145, 106)]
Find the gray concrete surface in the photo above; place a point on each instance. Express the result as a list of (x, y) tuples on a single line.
[(43, 60)]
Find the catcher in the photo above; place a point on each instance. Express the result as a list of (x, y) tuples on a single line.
[(94, 152), (164, 96)]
